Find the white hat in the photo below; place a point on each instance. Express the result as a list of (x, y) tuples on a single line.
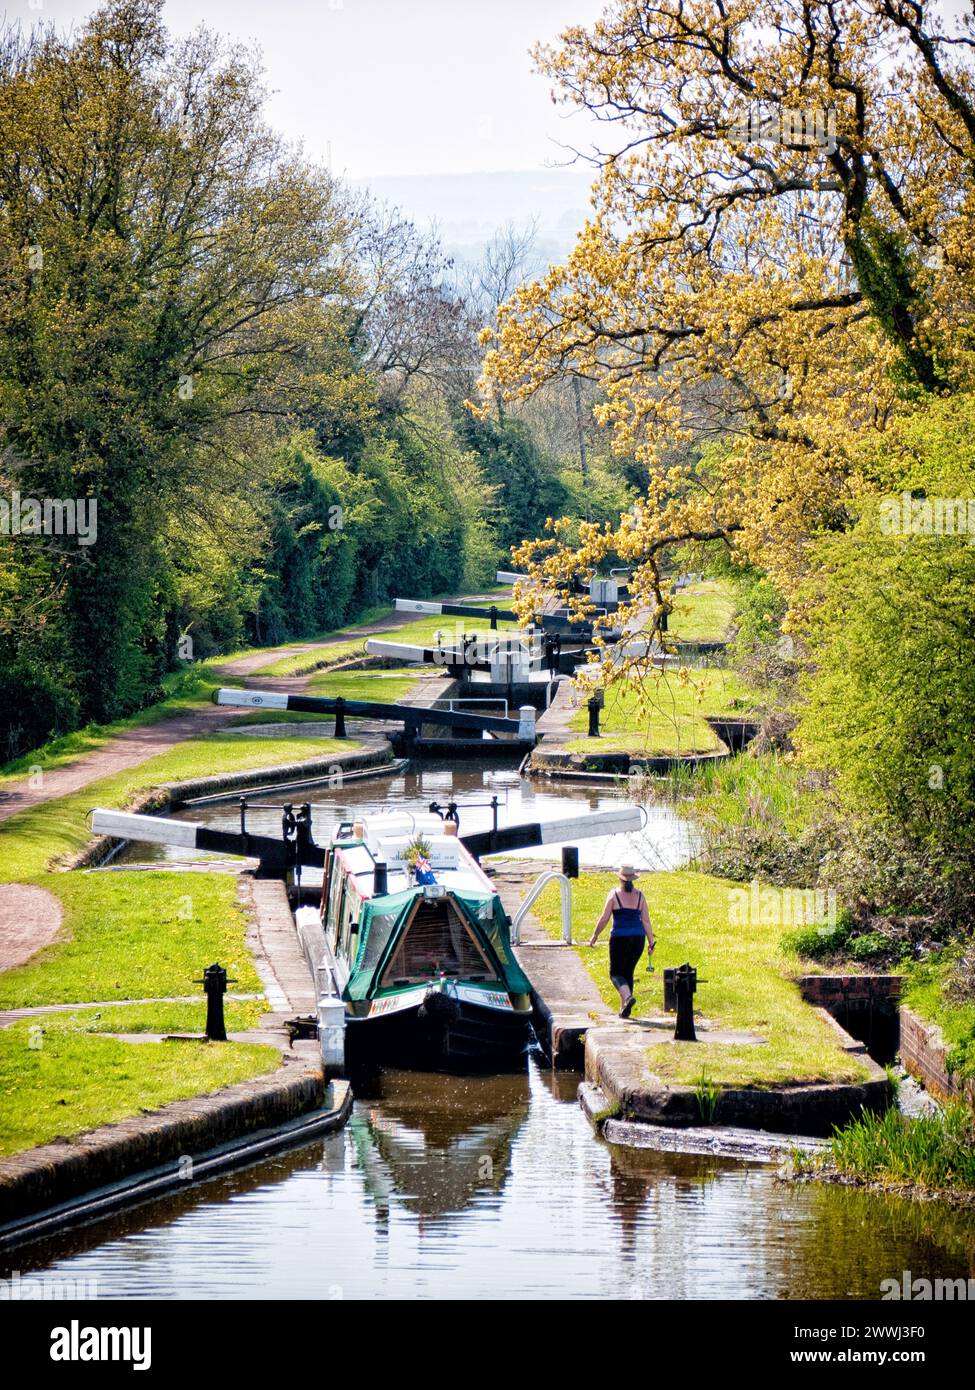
[(628, 871)]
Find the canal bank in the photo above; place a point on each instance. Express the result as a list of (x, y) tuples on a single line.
[(104, 987)]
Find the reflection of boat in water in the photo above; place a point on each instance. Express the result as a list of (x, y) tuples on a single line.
[(415, 941), (435, 1144)]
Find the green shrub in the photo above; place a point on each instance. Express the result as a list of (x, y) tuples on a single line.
[(817, 941), (871, 944)]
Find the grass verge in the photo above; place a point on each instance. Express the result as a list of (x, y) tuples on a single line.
[(702, 612), (62, 1083)]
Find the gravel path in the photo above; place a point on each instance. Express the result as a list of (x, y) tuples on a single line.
[(29, 919)]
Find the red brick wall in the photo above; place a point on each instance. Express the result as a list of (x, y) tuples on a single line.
[(923, 1053), (849, 991)]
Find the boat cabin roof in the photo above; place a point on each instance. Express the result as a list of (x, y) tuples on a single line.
[(386, 842)]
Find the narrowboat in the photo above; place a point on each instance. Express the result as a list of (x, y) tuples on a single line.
[(412, 937)]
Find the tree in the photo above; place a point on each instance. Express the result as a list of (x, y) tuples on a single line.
[(889, 622), (780, 255), (165, 268)]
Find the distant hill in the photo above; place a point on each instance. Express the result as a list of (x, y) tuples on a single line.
[(469, 208)]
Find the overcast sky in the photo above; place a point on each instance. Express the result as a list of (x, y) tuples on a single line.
[(394, 86)]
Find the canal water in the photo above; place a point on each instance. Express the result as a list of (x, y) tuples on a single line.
[(667, 841), (445, 1188)]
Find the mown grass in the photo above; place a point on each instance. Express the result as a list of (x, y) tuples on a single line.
[(663, 714), (386, 687), (702, 612), (60, 1082), (135, 936), (239, 1015), (419, 632), (185, 689), (745, 984), (127, 935), (32, 839), (445, 631), (930, 1153)]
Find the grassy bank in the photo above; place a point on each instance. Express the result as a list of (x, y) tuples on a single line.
[(422, 632), (126, 936), (663, 715), (746, 985), (387, 687), (56, 1082), (702, 612)]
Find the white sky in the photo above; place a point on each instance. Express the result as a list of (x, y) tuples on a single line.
[(394, 86)]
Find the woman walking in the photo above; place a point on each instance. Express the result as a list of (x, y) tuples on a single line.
[(631, 925)]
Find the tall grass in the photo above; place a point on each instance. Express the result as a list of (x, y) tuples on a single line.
[(933, 1152)]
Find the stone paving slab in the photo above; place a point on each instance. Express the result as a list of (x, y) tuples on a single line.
[(273, 942)]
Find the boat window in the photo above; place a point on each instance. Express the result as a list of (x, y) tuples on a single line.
[(438, 941), (326, 881), (334, 901), (378, 933), (350, 914)]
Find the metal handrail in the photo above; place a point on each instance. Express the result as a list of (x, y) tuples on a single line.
[(543, 880)]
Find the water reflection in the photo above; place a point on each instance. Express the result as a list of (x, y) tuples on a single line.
[(466, 1188)]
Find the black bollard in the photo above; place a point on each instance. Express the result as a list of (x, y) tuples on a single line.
[(570, 861), (594, 705), (685, 983), (493, 610), (214, 984), (670, 992), (339, 717)]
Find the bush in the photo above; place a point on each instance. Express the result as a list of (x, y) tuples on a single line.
[(35, 705), (816, 941), (868, 946)]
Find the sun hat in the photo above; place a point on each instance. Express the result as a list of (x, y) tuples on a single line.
[(628, 871)]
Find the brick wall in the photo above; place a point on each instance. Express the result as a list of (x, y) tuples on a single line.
[(923, 1053), (850, 991)]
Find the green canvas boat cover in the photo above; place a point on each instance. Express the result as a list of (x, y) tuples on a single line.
[(382, 918)]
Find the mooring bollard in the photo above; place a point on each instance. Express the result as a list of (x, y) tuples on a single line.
[(339, 717), (570, 861), (594, 705), (214, 984)]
